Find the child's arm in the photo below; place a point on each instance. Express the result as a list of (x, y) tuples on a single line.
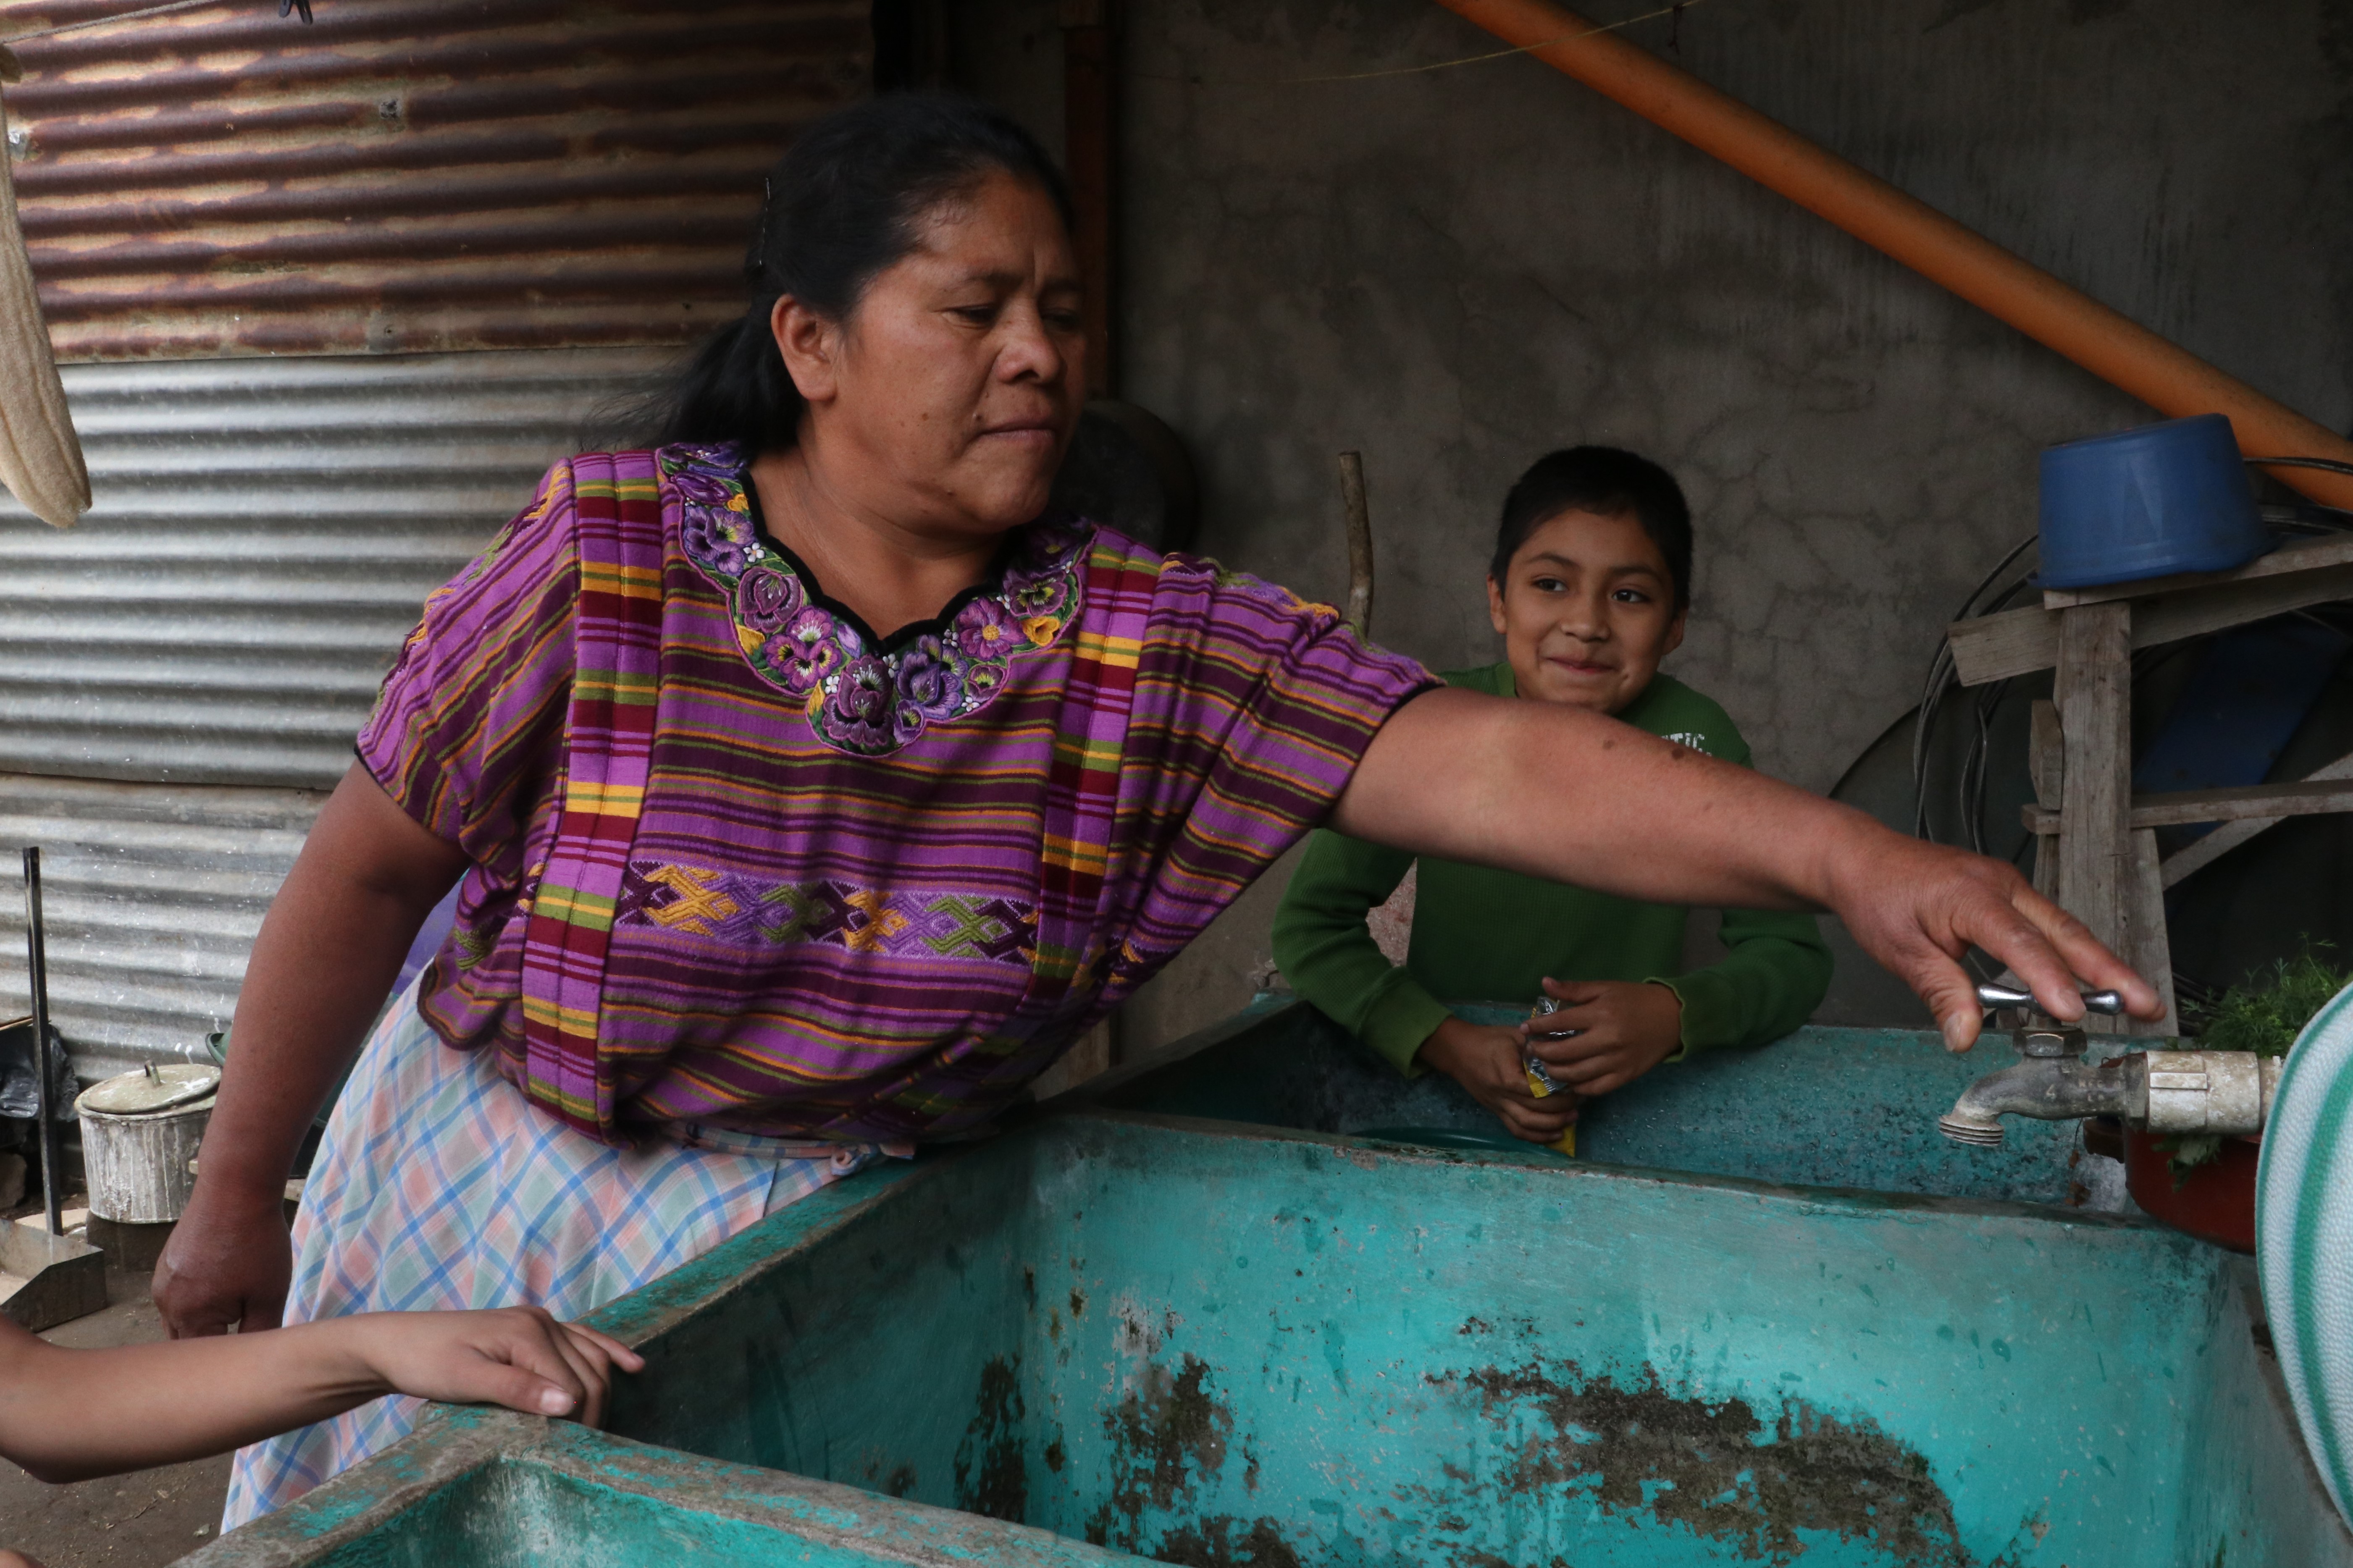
[(1776, 973), (1325, 951), (68, 1414)]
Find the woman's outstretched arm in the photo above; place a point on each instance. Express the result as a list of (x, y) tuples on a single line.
[(1563, 793), (328, 951)]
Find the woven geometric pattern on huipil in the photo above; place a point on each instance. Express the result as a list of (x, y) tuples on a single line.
[(745, 912), (947, 913)]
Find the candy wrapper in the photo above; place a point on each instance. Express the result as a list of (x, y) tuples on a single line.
[(1540, 1083)]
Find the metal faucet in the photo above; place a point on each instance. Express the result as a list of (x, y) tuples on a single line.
[(2218, 1092), (1991, 996)]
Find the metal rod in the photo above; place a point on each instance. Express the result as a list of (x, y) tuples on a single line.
[(36, 969), (1360, 542)]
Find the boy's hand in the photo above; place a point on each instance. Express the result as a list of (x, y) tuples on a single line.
[(1607, 1034), (520, 1357), (1490, 1061)]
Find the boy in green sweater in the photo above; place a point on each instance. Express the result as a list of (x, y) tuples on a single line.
[(1589, 589)]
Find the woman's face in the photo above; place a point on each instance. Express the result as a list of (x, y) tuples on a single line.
[(947, 397), (1587, 612)]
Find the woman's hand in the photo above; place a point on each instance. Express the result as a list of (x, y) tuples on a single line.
[(226, 1263), (1607, 1034), (1917, 907), (521, 1357), (1490, 1061)]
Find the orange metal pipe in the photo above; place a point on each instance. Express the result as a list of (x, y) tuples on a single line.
[(2112, 346)]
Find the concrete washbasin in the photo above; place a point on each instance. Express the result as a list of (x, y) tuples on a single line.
[(1826, 1107), (1122, 1329)]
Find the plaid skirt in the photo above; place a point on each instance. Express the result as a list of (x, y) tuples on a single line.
[(437, 1187)]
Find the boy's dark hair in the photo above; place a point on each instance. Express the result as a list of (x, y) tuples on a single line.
[(844, 205), (1608, 482)]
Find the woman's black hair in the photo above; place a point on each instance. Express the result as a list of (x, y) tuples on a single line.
[(1608, 482), (843, 205)]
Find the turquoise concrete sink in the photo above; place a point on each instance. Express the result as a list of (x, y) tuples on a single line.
[(1826, 1107), (488, 1489), (1114, 1330)]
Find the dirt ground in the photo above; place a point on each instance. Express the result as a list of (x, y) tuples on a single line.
[(124, 1521)]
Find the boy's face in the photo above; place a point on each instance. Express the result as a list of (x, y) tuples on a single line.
[(1588, 613)]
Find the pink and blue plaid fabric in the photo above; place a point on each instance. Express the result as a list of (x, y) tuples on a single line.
[(439, 1187)]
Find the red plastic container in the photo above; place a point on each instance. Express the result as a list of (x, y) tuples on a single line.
[(2215, 1202)]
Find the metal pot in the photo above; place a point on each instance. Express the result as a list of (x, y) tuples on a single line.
[(139, 1132)]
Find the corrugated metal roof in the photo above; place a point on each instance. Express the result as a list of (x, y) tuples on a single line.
[(264, 533), (151, 898), (409, 175)]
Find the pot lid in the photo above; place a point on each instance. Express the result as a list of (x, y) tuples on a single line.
[(151, 1090)]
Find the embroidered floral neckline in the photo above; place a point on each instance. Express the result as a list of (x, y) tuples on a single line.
[(861, 699)]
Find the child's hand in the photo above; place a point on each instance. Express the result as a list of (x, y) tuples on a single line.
[(1607, 1034), (520, 1357), (1492, 1063)]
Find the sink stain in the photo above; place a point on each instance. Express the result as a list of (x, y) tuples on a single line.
[(1716, 1467), (991, 1476), (1169, 1434)]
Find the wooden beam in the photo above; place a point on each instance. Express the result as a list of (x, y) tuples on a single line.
[(2019, 642), (2179, 808), (2298, 556), (1995, 647), (2309, 797), (2203, 852)]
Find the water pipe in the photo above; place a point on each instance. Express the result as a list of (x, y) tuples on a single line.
[(2111, 345)]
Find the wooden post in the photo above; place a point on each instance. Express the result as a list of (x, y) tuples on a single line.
[(2046, 764), (2094, 698), (2146, 947), (1360, 543)]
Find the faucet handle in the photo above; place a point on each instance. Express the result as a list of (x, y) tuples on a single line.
[(1991, 996)]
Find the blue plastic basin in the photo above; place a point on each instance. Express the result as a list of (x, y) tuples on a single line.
[(2147, 502)]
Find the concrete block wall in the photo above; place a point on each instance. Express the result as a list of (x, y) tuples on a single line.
[(1455, 270)]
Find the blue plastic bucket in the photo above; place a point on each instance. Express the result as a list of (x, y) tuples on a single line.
[(2147, 502)]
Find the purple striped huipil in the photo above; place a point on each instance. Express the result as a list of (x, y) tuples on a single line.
[(849, 885)]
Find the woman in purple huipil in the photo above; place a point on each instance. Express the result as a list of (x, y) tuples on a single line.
[(813, 786)]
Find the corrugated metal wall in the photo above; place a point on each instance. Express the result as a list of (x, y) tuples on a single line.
[(151, 895), (564, 186), (264, 534), (408, 175)]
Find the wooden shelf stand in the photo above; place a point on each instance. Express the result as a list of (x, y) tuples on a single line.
[(2097, 853)]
